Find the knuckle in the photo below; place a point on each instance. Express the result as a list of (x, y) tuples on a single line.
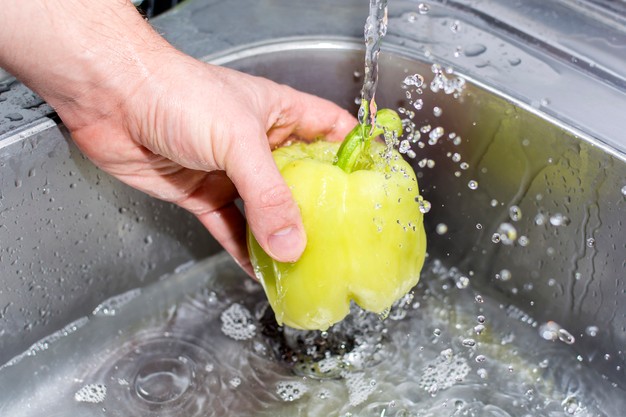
[(277, 195)]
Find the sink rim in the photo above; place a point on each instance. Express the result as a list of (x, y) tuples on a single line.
[(344, 43)]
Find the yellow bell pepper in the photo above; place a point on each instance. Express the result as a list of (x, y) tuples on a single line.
[(365, 234)]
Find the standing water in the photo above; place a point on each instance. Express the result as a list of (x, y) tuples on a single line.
[(203, 342)]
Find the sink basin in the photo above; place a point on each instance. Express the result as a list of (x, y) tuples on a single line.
[(526, 203)]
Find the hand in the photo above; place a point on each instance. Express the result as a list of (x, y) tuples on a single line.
[(180, 130), (200, 136)]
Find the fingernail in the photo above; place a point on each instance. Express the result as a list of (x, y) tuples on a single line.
[(286, 245)]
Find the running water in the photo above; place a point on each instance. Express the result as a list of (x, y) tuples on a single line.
[(204, 342), (375, 30)]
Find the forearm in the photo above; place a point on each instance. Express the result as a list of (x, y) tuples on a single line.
[(81, 56)]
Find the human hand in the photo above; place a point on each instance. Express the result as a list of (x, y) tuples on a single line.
[(200, 136), (181, 130)]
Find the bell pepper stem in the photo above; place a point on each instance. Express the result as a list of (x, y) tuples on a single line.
[(357, 141)]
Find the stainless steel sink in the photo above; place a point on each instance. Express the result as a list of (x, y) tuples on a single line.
[(550, 185)]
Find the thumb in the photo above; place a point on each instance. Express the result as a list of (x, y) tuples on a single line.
[(272, 213)]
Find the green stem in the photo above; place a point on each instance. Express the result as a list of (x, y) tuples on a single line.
[(359, 138)]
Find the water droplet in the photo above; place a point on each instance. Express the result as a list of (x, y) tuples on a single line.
[(566, 337), (423, 8), (462, 282), (507, 234), (549, 331), (592, 331), (424, 205), (473, 184), (441, 229), (435, 135), (515, 61), (415, 80), (515, 213), (474, 49), (591, 242), (558, 219), (455, 27), (468, 342), (504, 275)]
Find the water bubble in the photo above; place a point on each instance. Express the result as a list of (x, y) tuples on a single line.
[(290, 390), (464, 165), (437, 332), (624, 190), (479, 328), (437, 111), (455, 26), (481, 358), (359, 388), (441, 229), (479, 226), (523, 241), (418, 104), (515, 213), (482, 373), (92, 393), (479, 299), (423, 8), (592, 331), (472, 184), (237, 323), (591, 242)]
